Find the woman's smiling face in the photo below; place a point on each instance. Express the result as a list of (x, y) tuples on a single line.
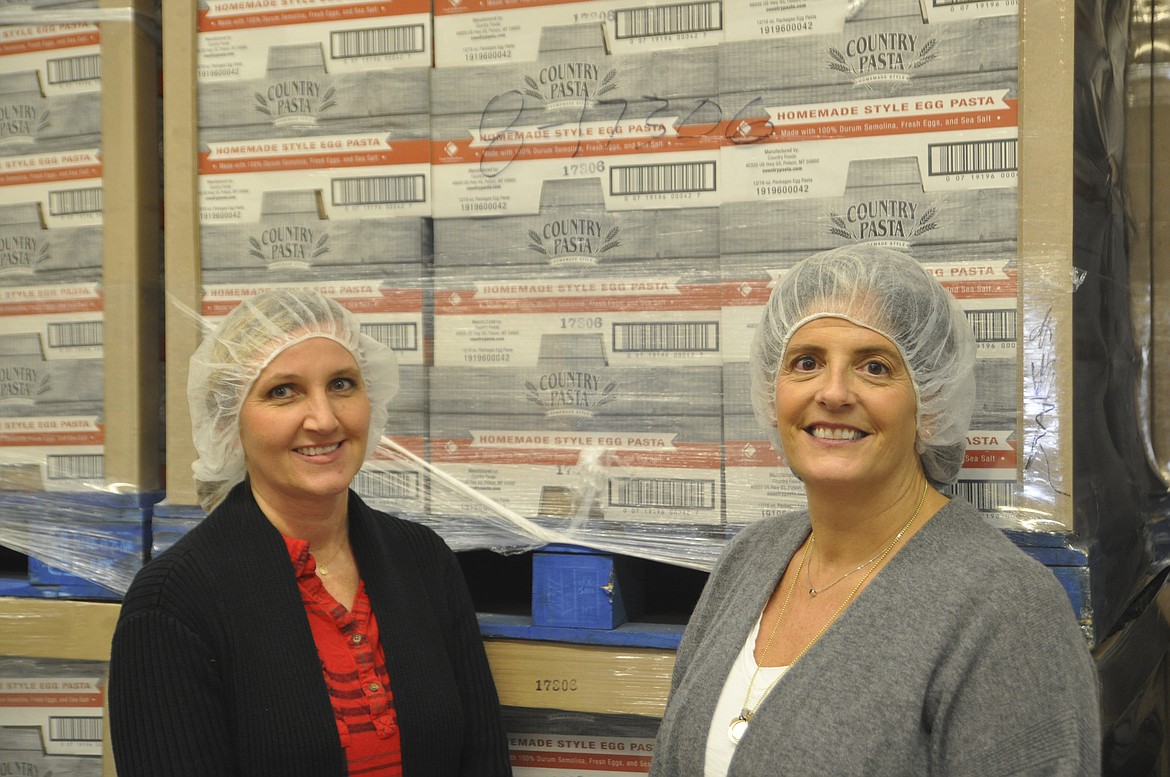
[(846, 407), (304, 424)]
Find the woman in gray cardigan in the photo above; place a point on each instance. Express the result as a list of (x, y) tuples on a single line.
[(887, 630)]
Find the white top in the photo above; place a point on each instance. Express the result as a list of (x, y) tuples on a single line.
[(720, 748)]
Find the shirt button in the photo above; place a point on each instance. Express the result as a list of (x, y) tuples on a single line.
[(357, 639), (373, 687)]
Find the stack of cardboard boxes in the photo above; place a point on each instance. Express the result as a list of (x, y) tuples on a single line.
[(577, 326), (79, 473), (80, 427)]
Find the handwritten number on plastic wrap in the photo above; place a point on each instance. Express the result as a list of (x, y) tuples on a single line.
[(580, 126), (617, 123), (662, 108), (684, 126), (483, 169), (733, 134)]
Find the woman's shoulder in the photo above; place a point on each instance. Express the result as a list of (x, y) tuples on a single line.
[(206, 554), (175, 579), (978, 558)]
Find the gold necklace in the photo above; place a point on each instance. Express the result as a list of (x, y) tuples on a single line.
[(739, 724), (323, 566), (813, 590)]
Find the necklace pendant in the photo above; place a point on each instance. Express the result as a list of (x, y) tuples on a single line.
[(737, 728), (812, 592)]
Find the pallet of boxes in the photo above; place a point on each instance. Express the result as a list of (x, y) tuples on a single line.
[(78, 474)]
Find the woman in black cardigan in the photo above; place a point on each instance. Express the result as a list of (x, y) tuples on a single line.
[(295, 631)]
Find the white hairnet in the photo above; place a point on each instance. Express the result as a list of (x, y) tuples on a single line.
[(228, 361), (892, 294)]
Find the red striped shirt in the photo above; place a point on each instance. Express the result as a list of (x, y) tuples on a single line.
[(355, 671)]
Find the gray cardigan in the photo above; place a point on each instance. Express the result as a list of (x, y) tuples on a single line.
[(961, 657)]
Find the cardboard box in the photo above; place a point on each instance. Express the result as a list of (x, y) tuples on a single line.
[(50, 87), (51, 716), (483, 32), (638, 124), (70, 634), (658, 312), (583, 678), (798, 111), (300, 94), (573, 439), (351, 37), (32, 253), (352, 176), (555, 743), (774, 19), (52, 431), (574, 231)]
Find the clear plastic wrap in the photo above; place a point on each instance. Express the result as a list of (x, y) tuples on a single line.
[(571, 292), (1145, 175), (80, 308)]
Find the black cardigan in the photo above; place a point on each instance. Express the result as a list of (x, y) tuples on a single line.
[(214, 671)]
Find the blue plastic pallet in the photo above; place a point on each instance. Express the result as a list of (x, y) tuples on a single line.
[(115, 525)]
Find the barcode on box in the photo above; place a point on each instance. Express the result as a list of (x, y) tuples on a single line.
[(672, 178), (75, 729), (379, 190), (398, 337), (378, 41), (387, 485), (984, 156), (70, 202), (676, 337), (668, 20), (993, 326), (988, 496), (68, 70), (75, 334), (76, 466), (662, 492)]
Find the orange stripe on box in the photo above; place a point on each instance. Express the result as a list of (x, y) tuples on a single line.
[(402, 153), (537, 759), (50, 175), (90, 305), (50, 700), (875, 127), (52, 438), (72, 40), (689, 298), (691, 456), (208, 23), (446, 152)]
